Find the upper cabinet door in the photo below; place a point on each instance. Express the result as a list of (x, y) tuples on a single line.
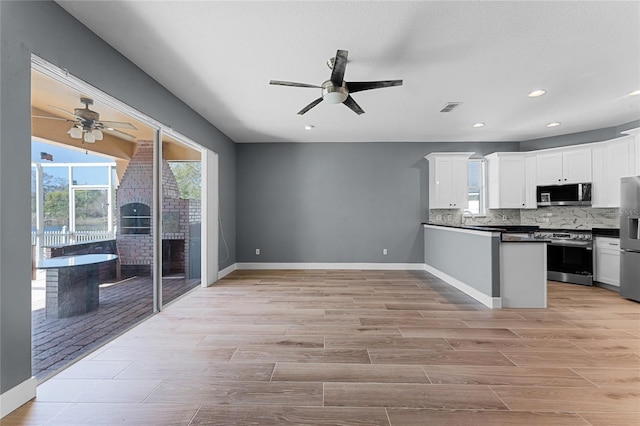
[(530, 180), (618, 163), (600, 191), (460, 183), (576, 166), (549, 168), (443, 198), (507, 180), (567, 166), (448, 180), (512, 182)]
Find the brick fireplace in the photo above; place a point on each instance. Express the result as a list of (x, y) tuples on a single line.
[(134, 199)]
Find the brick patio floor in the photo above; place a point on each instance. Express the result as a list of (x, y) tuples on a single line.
[(56, 343)]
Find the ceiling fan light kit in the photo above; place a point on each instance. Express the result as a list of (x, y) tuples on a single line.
[(75, 132), (334, 94), (336, 90), (89, 137)]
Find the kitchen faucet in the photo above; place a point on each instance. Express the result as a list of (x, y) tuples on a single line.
[(463, 217)]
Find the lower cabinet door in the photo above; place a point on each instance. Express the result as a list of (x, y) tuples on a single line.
[(608, 266)]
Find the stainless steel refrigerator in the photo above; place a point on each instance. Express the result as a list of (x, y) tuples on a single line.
[(630, 238)]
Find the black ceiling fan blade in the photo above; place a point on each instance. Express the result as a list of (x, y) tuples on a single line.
[(119, 124), (359, 86), (308, 107), (292, 84), (339, 66), (351, 103)]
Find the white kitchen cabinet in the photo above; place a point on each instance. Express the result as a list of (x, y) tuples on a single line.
[(576, 165), (607, 268), (564, 166), (530, 182), (449, 180), (549, 168), (506, 180), (635, 142), (600, 183), (612, 161)]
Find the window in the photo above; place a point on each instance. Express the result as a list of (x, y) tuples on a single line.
[(476, 187)]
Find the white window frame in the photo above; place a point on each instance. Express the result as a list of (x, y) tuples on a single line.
[(482, 189)]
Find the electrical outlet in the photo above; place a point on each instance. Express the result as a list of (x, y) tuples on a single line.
[(257, 252), (504, 217), (384, 252), (448, 217), (438, 217)]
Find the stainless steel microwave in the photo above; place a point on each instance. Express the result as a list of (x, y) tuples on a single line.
[(573, 194)]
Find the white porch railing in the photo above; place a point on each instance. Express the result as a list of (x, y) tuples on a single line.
[(54, 238)]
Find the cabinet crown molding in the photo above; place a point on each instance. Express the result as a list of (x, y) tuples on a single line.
[(449, 154), (634, 131)]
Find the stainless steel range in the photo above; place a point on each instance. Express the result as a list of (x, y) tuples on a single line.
[(569, 255)]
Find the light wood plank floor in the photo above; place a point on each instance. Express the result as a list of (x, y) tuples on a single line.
[(357, 348)]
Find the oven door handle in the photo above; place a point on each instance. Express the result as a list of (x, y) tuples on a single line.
[(588, 246)]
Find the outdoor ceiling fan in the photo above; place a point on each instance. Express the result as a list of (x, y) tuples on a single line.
[(87, 124), (336, 90)]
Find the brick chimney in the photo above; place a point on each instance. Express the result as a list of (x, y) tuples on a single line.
[(134, 199)]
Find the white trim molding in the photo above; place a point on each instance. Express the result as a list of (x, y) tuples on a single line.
[(17, 396), (488, 301), (322, 265), (226, 271)]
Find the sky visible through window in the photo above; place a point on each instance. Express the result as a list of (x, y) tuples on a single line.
[(63, 155), (82, 176)]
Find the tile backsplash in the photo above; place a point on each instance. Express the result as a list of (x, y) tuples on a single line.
[(561, 217), (493, 217), (571, 217)]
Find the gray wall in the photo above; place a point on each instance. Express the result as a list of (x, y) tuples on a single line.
[(48, 31), (336, 202), (597, 135), (469, 258)]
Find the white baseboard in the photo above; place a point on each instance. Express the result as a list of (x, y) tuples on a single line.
[(17, 396), (359, 266), (226, 271), (491, 302)]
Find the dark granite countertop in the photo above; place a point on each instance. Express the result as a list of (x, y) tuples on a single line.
[(469, 227), (506, 231), (510, 238)]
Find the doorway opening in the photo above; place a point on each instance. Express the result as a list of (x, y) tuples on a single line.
[(81, 209)]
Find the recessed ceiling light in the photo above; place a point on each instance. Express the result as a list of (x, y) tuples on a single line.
[(478, 125), (554, 124), (309, 126), (536, 93), (634, 93)]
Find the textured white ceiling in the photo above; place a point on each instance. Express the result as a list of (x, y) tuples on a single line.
[(218, 57)]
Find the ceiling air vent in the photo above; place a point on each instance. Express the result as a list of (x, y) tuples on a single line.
[(450, 106)]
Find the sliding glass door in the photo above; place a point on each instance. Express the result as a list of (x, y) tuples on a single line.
[(181, 183)]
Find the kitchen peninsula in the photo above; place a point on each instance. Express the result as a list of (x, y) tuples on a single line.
[(496, 268)]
